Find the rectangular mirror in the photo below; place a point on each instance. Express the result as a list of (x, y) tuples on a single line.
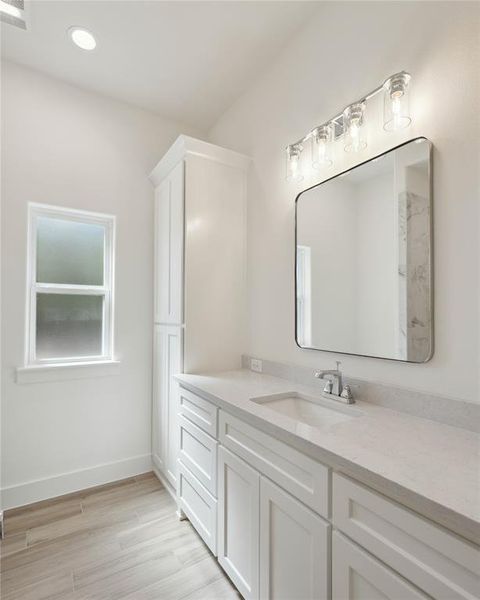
[(364, 259)]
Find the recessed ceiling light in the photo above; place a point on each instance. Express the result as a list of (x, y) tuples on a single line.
[(82, 38)]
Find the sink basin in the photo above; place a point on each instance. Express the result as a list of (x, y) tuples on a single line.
[(316, 412)]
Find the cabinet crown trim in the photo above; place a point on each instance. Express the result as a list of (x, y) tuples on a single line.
[(186, 145)]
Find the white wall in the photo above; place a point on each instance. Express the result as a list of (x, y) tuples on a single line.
[(346, 50), (67, 147)]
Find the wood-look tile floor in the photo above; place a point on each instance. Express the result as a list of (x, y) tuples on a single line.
[(122, 540)]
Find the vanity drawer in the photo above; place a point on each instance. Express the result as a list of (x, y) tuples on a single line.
[(438, 562), (198, 452), (200, 411), (199, 506), (305, 478), (357, 575)]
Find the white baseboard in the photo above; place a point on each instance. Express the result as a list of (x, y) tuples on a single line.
[(59, 485), (163, 480)]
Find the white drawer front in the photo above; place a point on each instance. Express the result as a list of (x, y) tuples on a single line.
[(439, 563), (356, 575), (199, 411), (199, 506), (302, 476), (198, 452)]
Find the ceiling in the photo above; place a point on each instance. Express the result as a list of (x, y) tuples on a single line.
[(187, 61)]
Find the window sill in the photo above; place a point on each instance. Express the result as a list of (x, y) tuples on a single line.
[(66, 371)]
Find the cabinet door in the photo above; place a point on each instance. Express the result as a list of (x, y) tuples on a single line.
[(238, 521), (169, 241), (158, 404), (356, 575), (294, 548), (167, 362)]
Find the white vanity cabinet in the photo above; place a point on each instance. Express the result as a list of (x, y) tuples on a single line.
[(288, 527), (199, 278)]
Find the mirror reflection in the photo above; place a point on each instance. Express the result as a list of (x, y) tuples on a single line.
[(363, 259)]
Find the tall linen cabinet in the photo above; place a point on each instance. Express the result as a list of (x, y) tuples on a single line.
[(200, 281)]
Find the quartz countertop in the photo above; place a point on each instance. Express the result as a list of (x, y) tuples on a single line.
[(429, 467)]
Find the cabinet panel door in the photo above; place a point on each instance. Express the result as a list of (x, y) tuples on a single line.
[(294, 548), (158, 404), (169, 243), (167, 362), (238, 522), (356, 575)]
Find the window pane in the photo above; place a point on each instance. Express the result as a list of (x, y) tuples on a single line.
[(69, 252), (69, 325)]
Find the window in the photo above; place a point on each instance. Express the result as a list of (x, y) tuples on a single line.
[(304, 296), (70, 286)]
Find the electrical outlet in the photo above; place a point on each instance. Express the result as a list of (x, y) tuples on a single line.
[(256, 365)]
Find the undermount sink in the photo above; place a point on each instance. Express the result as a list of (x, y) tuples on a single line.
[(316, 412)]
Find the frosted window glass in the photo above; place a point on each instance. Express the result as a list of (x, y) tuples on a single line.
[(69, 325), (69, 252)]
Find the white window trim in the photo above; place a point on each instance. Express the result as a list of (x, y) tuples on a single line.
[(32, 365)]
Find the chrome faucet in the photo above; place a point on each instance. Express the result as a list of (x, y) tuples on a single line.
[(334, 379), (334, 388)]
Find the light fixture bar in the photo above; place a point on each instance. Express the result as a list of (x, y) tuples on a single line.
[(337, 120), (13, 13), (17, 3)]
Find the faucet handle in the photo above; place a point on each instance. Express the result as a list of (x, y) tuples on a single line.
[(338, 363), (347, 393)]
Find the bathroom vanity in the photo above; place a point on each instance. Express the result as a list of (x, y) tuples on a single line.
[(301, 498)]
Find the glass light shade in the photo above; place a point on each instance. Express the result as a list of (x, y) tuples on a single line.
[(322, 139), (396, 112), (293, 167), (353, 126)]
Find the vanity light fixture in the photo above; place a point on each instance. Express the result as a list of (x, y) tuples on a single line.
[(322, 146), (349, 126), (13, 13), (353, 127), (396, 114), (294, 172), (82, 38)]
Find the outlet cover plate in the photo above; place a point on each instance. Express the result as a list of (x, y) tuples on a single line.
[(256, 365)]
